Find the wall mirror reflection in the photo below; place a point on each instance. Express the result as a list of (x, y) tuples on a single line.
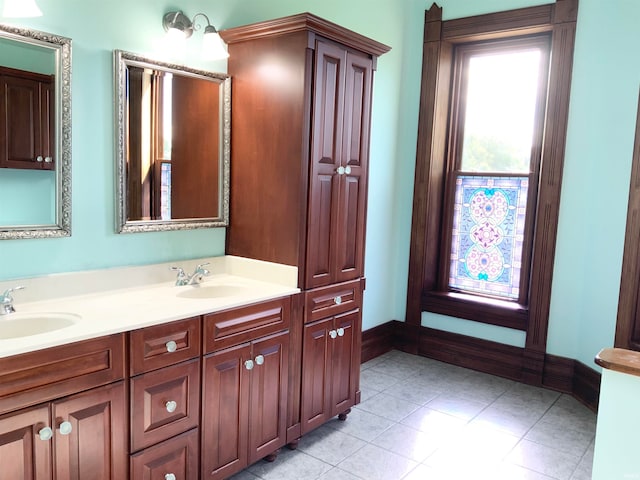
[(35, 134), (173, 145)]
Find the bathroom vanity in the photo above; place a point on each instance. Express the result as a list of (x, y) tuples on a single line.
[(155, 381)]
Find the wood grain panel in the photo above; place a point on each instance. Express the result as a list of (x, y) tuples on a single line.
[(225, 414), (235, 326), (97, 445), (25, 456), (43, 375), (148, 346), (315, 371), (323, 302), (268, 396), (150, 421), (177, 456)]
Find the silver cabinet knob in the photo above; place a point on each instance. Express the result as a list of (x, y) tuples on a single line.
[(340, 170), (45, 434), (39, 159), (65, 428), (347, 170), (333, 333), (169, 476), (171, 406), (248, 364), (259, 360), (171, 346), (337, 300), (48, 159), (341, 332)]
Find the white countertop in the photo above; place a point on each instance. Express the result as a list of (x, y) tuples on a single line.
[(110, 302)]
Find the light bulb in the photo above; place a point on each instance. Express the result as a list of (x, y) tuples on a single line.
[(213, 47)]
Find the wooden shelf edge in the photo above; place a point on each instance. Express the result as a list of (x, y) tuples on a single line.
[(619, 360)]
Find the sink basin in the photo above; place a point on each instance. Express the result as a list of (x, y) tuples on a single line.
[(212, 291), (16, 325)]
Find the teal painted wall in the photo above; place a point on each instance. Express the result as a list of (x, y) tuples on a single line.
[(616, 449), (597, 165)]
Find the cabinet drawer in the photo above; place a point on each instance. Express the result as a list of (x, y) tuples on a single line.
[(36, 377), (178, 456), (328, 301), (164, 403), (232, 327), (163, 345)]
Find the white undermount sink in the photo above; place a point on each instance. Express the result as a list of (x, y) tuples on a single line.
[(17, 325), (212, 291)]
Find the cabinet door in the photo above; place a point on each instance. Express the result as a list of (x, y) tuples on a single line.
[(21, 125), (326, 145), (315, 374), (225, 411), (351, 209), (344, 372), (268, 404), (90, 437), (23, 455)]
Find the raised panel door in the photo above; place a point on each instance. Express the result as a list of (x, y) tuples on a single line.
[(343, 369), (316, 357), (225, 412), (268, 404), (351, 221), (326, 145), (95, 448), (23, 455)]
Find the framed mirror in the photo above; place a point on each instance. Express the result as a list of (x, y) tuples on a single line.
[(35, 134), (173, 127)]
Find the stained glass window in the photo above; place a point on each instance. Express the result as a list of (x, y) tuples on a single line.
[(488, 234), (165, 191)]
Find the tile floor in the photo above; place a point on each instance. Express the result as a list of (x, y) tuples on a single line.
[(425, 420)]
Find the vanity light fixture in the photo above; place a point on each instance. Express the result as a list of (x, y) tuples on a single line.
[(178, 25), (21, 9)]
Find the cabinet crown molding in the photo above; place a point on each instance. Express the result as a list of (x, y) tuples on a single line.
[(304, 22)]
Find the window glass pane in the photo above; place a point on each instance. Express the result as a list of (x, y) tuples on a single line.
[(500, 111), (167, 114), (488, 232)]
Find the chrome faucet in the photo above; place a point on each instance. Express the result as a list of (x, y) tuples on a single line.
[(6, 301), (193, 279)]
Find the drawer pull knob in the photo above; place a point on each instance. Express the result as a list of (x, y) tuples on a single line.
[(65, 428), (48, 159), (39, 158), (169, 476), (45, 434), (333, 333), (259, 359), (248, 364), (337, 300), (171, 406), (341, 332), (171, 346)]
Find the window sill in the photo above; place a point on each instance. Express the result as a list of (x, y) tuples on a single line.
[(479, 309)]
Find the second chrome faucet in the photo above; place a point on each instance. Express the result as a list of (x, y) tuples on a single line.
[(195, 278)]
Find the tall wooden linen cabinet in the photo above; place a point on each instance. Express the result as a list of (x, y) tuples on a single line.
[(301, 101)]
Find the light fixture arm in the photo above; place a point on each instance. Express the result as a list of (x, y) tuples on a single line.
[(197, 26)]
